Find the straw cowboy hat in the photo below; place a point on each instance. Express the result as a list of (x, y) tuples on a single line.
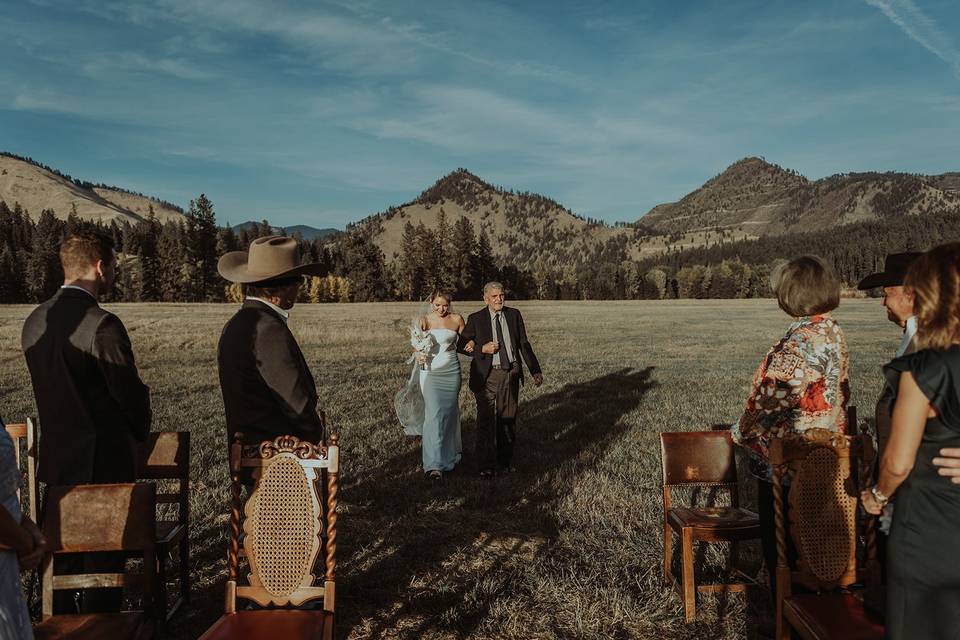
[(269, 258)]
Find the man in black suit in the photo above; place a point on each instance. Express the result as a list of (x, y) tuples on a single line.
[(267, 387), (92, 405), (496, 375)]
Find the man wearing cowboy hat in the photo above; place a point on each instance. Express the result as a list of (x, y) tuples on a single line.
[(267, 387), (898, 301)]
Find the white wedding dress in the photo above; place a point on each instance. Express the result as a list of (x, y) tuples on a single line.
[(440, 386)]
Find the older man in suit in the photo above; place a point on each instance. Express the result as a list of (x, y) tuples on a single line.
[(92, 405), (496, 374), (267, 387)]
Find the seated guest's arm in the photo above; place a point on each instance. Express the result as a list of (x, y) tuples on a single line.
[(24, 538), (949, 463), (910, 415)]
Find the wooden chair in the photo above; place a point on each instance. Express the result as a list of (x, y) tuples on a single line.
[(822, 523), (283, 526), (165, 458), (96, 518), (701, 459), (24, 436)]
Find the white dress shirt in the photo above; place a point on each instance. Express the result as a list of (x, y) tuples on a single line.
[(909, 333), (73, 286), (283, 314)]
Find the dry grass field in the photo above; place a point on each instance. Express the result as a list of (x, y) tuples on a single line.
[(568, 547)]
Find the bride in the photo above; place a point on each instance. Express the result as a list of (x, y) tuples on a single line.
[(439, 384)]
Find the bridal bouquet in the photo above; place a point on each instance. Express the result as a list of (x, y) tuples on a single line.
[(422, 343)]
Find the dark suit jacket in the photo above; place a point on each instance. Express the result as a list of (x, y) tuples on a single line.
[(90, 399), (268, 390), (479, 329)]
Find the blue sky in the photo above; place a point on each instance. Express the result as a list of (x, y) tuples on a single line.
[(322, 113)]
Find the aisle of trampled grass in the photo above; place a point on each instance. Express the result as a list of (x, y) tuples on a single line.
[(567, 547)]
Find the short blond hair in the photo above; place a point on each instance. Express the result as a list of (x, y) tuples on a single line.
[(934, 279), (806, 286)]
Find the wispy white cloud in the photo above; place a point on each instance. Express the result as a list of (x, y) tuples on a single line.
[(921, 28), (109, 65)]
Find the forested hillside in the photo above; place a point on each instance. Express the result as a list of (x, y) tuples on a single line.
[(462, 232)]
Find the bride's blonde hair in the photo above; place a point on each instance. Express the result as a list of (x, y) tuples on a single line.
[(441, 293), (934, 279)]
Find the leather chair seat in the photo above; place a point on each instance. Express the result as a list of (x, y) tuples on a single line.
[(94, 626), (834, 615), (272, 624), (713, 518)]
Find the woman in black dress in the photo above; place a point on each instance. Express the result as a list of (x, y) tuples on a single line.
[(923, 553)]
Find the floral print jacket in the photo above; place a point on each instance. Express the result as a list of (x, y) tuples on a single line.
[(801, 384)]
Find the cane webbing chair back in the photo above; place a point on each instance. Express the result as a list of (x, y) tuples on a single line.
[(823, 494), (287, 522)]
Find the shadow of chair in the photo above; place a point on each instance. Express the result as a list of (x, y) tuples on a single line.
[(24, 436), (702, 459), (283, 536), (95, 519), (821, 520), (164, 457)]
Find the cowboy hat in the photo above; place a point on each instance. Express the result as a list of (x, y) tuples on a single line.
[(895, 267), (269, 258)]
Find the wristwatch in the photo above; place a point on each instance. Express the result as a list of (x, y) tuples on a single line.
[(878, 496)]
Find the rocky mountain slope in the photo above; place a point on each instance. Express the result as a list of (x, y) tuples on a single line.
[(35, 188)]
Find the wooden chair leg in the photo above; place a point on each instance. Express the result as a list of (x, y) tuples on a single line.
[(161, 588), (185, 568), (734, 559), (689, 586), (668, 555)]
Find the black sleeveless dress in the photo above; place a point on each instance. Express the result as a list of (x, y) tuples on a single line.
[(923, 553)]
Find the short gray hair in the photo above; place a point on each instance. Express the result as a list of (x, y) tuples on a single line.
[(493, 284)]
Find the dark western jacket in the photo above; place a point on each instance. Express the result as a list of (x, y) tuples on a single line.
[(479, 329), (92, 405), (268, 390)]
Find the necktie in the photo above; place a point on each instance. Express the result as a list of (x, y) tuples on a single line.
[(504, 356)]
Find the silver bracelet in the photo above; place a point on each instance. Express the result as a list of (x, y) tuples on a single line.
[(878, 496)]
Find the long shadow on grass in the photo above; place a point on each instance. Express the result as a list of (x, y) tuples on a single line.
[(422, 559)]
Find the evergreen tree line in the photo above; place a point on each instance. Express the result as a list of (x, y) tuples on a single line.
[(176, 261)]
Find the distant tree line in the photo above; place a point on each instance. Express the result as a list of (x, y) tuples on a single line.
[(176, 261)]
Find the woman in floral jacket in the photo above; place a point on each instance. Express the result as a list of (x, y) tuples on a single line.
[(802, 382)]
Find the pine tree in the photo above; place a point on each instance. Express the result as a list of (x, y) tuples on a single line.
[(170, 256), (484, 266), (44, 273), (204, 284), (463, 247), (411, 264)]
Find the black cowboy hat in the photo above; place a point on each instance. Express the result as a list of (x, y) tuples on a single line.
[(895, 267)]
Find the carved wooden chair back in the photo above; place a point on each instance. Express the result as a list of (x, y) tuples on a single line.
[(283, 522), (822, 507), (698, 459), (24, 436), (100, 517)]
